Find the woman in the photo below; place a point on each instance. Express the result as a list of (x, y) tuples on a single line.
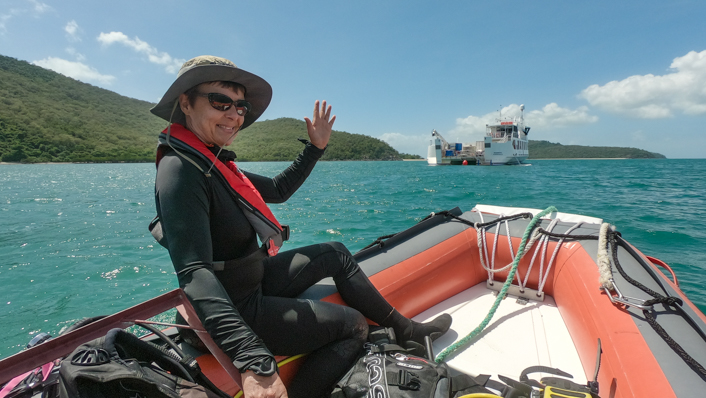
[(212, 214)]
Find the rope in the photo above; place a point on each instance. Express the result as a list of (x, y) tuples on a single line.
[(675, 302), (501, 295), (670, 342), (544, 245), (541, 246), (482, 245), (379, 241), (543, 280), (603, 259)]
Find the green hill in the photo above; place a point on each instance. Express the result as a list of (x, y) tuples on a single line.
[(48, 117), (277, 140), (549, 150)]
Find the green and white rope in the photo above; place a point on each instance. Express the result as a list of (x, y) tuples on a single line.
[(501, 295)]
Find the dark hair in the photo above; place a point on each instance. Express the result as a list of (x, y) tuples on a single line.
[(193, 92)]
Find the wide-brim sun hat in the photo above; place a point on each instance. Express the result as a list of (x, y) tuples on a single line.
[(208, 68)]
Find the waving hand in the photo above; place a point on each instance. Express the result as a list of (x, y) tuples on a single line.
[(320, 129)]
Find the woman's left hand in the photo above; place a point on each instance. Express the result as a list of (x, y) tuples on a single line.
[(320, 129)]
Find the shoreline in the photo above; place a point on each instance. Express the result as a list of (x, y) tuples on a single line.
[(404, 160), (588, 158)]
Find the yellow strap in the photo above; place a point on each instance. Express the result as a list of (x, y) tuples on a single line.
[(290, 359), (551, 391)]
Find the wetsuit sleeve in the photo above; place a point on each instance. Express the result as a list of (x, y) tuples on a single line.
[(183, 197), (283, 186)]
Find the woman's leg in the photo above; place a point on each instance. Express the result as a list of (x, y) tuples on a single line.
[(332, 335), (290, 273)]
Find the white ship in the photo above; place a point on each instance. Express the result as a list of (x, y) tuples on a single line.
[(505, 142)]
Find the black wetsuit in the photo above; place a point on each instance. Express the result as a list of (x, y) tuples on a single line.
[(251, 312)]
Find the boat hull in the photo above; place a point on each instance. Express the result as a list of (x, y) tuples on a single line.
[(503, 153)]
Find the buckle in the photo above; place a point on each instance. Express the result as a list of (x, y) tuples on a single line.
[(406, 381), (272, 248)]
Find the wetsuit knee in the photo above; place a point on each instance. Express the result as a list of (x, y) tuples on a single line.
[(355, 328), (324, 366), (359, 325), (348, 264)]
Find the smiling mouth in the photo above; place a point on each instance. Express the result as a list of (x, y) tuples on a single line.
[(227, 128)]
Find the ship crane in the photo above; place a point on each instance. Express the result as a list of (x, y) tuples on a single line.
[(446, 145)]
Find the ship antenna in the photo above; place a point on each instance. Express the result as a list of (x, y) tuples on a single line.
[(522, 112)]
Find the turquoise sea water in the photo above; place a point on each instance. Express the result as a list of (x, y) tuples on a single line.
[(74, 239)]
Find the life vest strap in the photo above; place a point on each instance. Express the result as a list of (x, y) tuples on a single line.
[(263, 252)]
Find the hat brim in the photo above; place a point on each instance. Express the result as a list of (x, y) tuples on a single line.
[(257, 91)]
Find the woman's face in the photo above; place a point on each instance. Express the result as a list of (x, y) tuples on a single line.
[(211, 125)]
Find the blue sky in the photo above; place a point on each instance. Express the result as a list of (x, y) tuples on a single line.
[(601, 73)]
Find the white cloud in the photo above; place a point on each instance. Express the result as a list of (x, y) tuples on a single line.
[(414, 144), (4, 18), (551, 116), (39, 7), (79, 57), (172, 65), (76, 70), (3, 21), (72, 31), (653, 97)]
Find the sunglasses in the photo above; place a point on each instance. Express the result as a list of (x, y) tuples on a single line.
[(223, 102)]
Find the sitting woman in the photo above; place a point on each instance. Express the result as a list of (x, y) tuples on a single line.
[(212, 213)]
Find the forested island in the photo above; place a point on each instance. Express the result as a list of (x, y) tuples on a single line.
[(549, 150), (48, 117)]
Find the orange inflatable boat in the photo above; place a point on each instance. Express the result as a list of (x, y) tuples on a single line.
[(581, 299)]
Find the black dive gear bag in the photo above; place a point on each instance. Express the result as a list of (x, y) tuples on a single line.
[(387, 370), (120, 365)]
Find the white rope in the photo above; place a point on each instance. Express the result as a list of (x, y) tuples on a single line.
[(603, 258), (483, 251), (488, 261), (495, 243), (485, 258), (545, 246), (482, 248), (528, 246), (541, 248), (535, 236), (551, 260), (509, 242)]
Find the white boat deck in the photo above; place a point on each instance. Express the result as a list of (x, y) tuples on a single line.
[(518, 336)]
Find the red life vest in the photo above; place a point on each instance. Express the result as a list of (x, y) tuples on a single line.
[(245, 194)]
